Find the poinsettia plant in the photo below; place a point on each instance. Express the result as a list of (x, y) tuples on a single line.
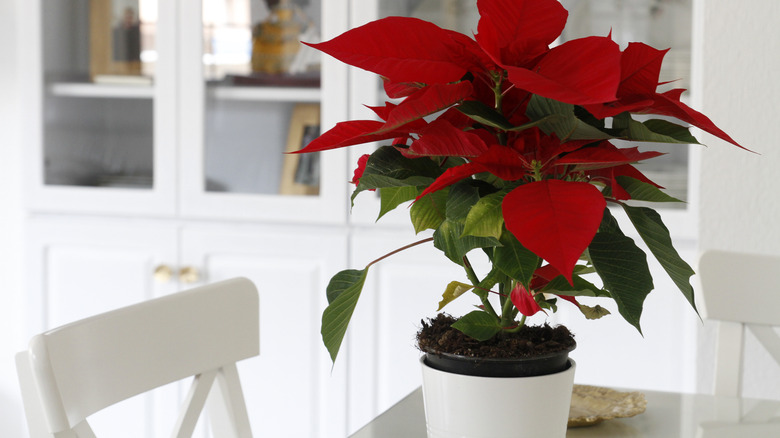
[(504, 144)]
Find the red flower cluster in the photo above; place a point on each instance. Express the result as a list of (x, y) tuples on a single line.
[(515, 107)]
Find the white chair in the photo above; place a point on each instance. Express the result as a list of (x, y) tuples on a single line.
[(76, 370), (742, 291)]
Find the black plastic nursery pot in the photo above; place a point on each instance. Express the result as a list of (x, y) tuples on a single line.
[(500, 367)]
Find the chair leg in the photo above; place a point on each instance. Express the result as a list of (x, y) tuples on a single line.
[(193, 405), (227, 409), (769, 338), (728, 368), (36, 420)]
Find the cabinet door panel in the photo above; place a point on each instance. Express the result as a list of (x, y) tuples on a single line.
[(76, 270), (290, 389), (80, 268)]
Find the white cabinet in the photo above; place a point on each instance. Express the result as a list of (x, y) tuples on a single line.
[(183, 126), (181, 164), (86, 266)]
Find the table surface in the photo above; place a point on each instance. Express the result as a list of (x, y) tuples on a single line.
[(668, 415)]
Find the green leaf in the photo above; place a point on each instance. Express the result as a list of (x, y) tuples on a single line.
[(581, 287), (453, 291), (494, 276), (550, 304), (642, 191), (609, 224), (595, 312), (447, 238), (373, 182), (461, 198), (565, 123), (652, 230), (343, 292), (478, 325), (389, 161), (429, 211), (623, 268), (584, 269), (659, 131), (387, 167), (678, 132), (485, 219), (392, 197), (484, 114), (515, 260)]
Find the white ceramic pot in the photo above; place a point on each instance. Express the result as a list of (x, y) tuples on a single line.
[(460, 406)]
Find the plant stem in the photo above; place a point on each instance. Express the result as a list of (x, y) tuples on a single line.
[(499, 96), (519, 326), (475, 281), (506, 312), (403, 248)]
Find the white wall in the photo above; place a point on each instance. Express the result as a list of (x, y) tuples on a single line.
[(740, 191), (11, 333)]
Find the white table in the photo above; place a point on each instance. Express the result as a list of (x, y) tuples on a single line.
[(668, 415)]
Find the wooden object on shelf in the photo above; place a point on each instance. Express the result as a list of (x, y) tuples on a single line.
[(308, 79), (300, 172), (114, 44), (275, 41)]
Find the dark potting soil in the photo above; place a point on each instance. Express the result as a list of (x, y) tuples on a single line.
[(437, 336)]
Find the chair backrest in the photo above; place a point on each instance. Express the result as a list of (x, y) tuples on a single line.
[(78, 369), (742, 291)]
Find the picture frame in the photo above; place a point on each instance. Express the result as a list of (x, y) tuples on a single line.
[(301, 172), (115, 39)]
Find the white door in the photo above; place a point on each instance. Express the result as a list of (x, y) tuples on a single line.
[(290, 389)]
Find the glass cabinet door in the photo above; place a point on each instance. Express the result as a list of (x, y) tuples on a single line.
[(251, 93), (662, 24), (258, 81), (101, 105)]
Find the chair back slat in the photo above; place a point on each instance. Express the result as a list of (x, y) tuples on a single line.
[(741, 291), (742, 288)]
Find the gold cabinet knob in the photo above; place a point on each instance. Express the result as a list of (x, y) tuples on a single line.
[(162, 273), (189, 274)]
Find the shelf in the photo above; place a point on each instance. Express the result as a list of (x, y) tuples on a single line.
[(81, 89), (275, 94), (245, 93)]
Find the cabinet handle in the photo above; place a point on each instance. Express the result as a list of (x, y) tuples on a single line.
[(189, 274), (163, 273)]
